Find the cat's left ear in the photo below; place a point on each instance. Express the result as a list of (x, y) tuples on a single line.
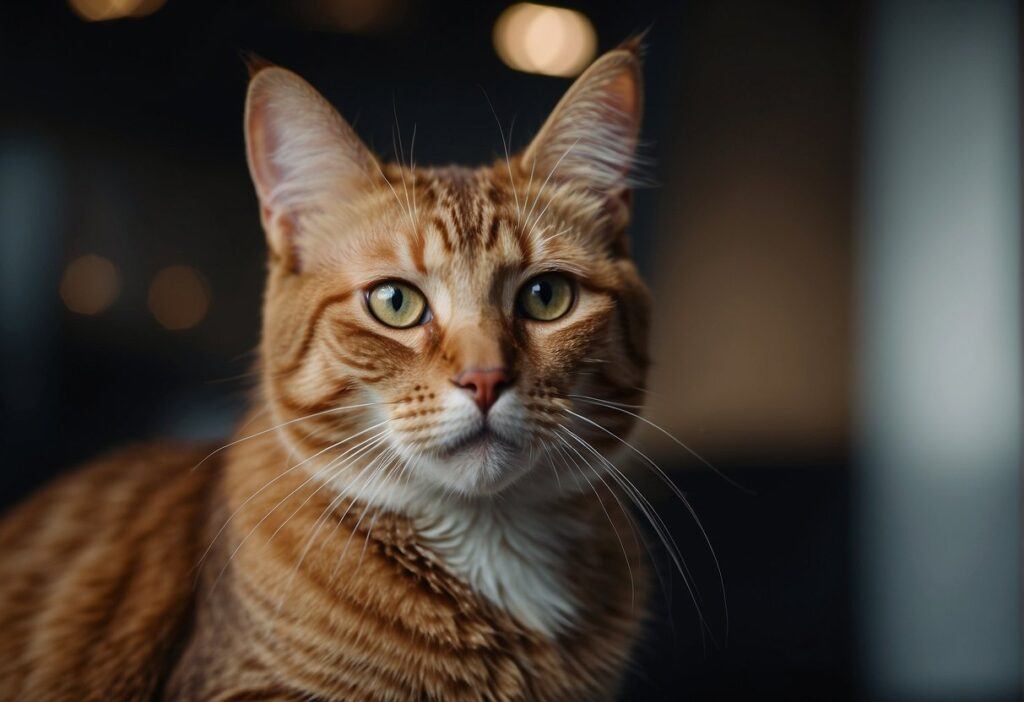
[(302, 154), (590, 139)]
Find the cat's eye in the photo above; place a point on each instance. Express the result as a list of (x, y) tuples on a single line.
[(546, 297), (397, 304)]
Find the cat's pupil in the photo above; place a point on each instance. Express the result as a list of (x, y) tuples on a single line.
[(543, 290), (396, 299)]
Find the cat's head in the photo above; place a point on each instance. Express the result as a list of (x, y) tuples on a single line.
[(462, 329)]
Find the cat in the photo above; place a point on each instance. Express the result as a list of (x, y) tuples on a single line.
[(419, 504)]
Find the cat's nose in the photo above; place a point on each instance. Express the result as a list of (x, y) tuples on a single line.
[(484, 384)]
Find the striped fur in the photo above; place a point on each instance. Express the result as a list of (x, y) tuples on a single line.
[(358, 540)]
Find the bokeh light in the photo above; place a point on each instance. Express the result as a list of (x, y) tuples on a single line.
[(101, 10), (179, 297), (552, 41), (90, 284)]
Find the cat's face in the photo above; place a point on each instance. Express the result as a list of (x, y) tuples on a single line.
[(444, 327)]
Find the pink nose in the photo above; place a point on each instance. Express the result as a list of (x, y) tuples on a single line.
[(484, 385)]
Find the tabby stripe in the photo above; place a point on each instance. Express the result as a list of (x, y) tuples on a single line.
[(442, 228), (355, 330), (494, 195), (307, 438), (492, 236), (303, 407), (525, 244), (379, 638), (262, 695), (314, 320), (416, 251)]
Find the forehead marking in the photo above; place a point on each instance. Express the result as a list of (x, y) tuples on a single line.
[(525, 245), (469, 210), (492, 236), (417, 244), (462, 207), (442, 228)]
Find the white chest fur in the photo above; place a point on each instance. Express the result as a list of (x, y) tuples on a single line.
[(515, 555)]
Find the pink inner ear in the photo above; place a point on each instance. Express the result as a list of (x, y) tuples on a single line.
[(623, 89), (623, 96), (301, 154), (591, 136), (278, 225), (260, 147)]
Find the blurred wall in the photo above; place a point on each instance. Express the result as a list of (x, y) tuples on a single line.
[(752, 284), (939, 316)]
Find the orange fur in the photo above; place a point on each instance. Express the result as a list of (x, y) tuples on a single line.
[(370, 534)]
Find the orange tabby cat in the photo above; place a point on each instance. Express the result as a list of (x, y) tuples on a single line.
[(418, 506)]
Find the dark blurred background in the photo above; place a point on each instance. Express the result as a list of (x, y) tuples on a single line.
[(132, 263)]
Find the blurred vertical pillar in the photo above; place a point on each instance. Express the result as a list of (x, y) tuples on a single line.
[(30, 248), (940, 382)]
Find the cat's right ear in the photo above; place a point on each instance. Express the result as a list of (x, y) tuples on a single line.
[(301, 154)]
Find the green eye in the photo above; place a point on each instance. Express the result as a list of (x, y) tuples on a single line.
[(546, 297), (397, 304)]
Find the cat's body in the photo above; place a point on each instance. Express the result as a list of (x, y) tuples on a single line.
[(418, 507), (373, 612), (96, 592), (123, 613)]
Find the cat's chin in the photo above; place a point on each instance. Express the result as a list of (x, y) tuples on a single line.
[(481, 464)]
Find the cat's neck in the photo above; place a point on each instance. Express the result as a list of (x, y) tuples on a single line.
[(514, 550), (304, 587), (516, 553)]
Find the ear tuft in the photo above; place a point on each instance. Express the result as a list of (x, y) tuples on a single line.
[(254, 63), (591, 136), (636, 44)]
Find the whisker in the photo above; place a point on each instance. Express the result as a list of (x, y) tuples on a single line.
[(280, 502), (368, 446), (274, 480), (401, 468), (679, 494), (544, 185), (622, 408), (508, 162), (615, 529), (412, 172), (529, 186), (552, 236), (554, 471), (400, 154), (317, 526), (596, 400), (255, 415), (376, 513), (284, 424), (330, 507), (381, 472), (398, 200), (637, 539), (656, 522)]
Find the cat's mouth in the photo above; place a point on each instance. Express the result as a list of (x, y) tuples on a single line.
[(482, 459), (481, 440)]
